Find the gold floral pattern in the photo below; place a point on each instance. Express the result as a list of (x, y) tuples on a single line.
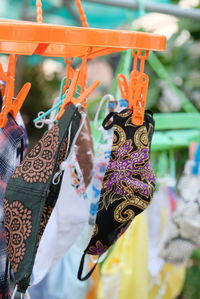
[(125, 114), (39, 163), (119, 137), (95, 231), (141, 138), (121, 214), (18, 227)]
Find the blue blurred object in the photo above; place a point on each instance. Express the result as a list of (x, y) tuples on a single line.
[(196, 167)]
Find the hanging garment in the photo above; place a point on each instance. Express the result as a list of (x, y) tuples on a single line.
[(130, 261), (22, 149), (63, 282), (124, 274), (31, 195), (67, 221), (128, 184), (84, 144), (10, 139), (54, 285), (165, 280), (182, 235), (102, 155), (85, 152)]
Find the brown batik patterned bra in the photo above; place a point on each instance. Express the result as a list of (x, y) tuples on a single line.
[(128, 184), (31, 196)]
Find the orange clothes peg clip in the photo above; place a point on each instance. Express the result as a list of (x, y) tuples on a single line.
[(82, 98), (70, 92), (9, 105), (2, 74), (138, 87), (123, 86), (139, 99), (69, 73)]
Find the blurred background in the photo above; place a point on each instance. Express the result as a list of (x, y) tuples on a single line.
[(181, 59), (174, 77)]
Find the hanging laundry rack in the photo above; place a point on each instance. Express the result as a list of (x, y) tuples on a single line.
[(29, 38), (37, 38)]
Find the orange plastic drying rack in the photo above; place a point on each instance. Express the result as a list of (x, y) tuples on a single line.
[(30, 38)]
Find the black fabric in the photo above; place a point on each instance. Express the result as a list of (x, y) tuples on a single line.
[(128, 184)]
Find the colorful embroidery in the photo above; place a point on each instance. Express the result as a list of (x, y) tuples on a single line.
[(39, 163), (129, 172), (98, 249), (18, 227), (128, 183)]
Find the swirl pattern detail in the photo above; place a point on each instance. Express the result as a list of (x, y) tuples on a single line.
[(129, 172), (123, 214)]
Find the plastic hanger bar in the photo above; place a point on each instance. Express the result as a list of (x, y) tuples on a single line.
[(28, 38)]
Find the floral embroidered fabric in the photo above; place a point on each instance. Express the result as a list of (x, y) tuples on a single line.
[(39, 163), (18, 228), (31, 195)]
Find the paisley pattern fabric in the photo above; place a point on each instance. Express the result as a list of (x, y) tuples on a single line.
[(129, 181)]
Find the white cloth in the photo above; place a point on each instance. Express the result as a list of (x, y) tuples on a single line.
[(66, 223)]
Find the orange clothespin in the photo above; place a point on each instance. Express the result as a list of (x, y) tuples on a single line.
[(9, 105), (139, 100), (84, 70), (2, 74), (123, 86), (138, 87), (3, 79), (69, 73), (82, 98), (18, 102), (70, 92), (133, 78)]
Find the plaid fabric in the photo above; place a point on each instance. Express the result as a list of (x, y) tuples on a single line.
[(22, 148), (10, 138)]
